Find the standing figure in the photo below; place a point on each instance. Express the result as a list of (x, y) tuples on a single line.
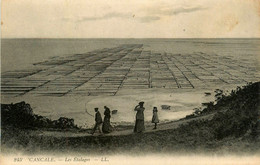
[(107, 128), (98, 120), (155, 118), (139, 123)]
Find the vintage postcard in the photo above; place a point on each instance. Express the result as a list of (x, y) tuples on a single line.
[(130, 82)]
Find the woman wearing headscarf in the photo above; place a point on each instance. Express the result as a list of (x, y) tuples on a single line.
[(107, 128), (139, 123)]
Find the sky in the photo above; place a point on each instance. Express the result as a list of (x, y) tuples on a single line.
[(130, 18)]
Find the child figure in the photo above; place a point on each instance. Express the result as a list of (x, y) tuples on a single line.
[(155, 118)]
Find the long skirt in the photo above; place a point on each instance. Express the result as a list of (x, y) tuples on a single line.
[(106, 128), (139, 126)]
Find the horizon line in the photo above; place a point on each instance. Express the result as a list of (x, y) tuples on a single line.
[(131, 38)]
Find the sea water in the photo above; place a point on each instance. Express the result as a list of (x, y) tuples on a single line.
[(17, 54)]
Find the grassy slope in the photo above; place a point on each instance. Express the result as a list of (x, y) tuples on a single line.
[(234, 128)]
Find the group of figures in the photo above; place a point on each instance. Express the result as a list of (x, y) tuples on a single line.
[(139, 122), (106, 127)]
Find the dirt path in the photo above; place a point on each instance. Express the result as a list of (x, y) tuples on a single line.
[(163, 126)]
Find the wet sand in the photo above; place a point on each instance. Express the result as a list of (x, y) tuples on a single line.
[(121, 76)]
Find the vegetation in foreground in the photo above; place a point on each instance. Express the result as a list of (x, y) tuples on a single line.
[(234, 128)]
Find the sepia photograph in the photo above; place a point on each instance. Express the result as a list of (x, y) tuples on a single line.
[(130, 82)]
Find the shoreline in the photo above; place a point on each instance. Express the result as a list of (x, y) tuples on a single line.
[(219, 128), (182, 103)]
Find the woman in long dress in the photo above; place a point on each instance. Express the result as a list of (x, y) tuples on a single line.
[(107, 128), (139, 123), (155, 118)]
